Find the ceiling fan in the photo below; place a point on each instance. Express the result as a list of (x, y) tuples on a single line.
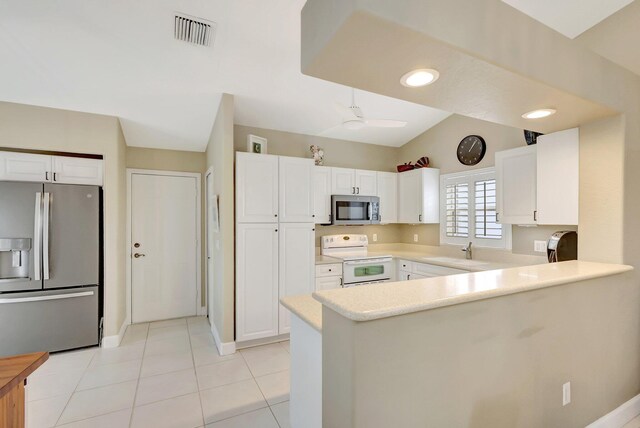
[(353, 118)]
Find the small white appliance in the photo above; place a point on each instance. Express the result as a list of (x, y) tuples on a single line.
[(358, 268)]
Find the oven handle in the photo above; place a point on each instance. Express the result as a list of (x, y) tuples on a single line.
[(368, 261)]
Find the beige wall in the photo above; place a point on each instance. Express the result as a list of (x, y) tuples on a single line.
[(166, 160), (38, 128), (439, 144), (181, 161), (497, 363), (339, 153), (220, 156)]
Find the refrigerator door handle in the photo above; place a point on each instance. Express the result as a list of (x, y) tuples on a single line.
[(37, 234), (45, 235), (43, 298)]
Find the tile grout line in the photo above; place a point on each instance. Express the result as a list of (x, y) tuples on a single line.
[(74, 389), (195, 373), (135, 395)]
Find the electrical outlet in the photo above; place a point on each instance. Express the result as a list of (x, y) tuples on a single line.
[(415, 237), (375, 237), (566, 393), (540, 246)]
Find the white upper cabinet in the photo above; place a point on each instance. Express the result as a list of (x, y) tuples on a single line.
[(72, 170), (419, 196), (50, 169), (366, 183), (297, 265), (256, 188), (25, 167), (516, 180), (343, 181), (558, 177), (322, 194), (256, 281), (296, 181), (388, 194)]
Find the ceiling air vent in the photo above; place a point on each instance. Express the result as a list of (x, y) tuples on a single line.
[(193, 30)]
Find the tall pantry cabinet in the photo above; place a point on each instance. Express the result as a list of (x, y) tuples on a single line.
[(275, 234)]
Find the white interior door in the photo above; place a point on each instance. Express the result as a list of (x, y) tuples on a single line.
[(212, 210), (164, 238)]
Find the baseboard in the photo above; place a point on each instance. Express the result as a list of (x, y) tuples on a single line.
[(264, 341), (202, 311), (224, 348), (114, 341), (620, 416)]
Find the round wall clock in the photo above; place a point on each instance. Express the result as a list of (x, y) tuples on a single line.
[(471, 150)]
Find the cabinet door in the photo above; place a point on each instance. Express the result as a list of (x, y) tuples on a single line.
[(429, 195), (328, 283), (558, 177), (256, 281), (343, 181), (366, 183), (25, 167), (322, 194), (256, 188), (297, 265), (516, 182), (296, 181), (68, 170), (388, 194), (404, 275), (409, 197)]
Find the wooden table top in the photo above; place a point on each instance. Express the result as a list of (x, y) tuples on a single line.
[(14, 370)]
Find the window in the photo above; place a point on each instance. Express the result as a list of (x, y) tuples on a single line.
[(469, 209)]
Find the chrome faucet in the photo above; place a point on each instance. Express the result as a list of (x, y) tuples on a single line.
[(467, 250)]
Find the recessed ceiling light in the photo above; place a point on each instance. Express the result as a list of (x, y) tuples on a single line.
[(539, 114), (418, 78)]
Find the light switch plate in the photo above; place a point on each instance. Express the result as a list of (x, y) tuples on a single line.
[(540, 246)]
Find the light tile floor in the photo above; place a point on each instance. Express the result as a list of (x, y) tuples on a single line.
[(166, 374)]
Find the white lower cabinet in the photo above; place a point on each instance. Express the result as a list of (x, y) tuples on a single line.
[(408, 270), (296, 265), (328, 276), (256, 281)]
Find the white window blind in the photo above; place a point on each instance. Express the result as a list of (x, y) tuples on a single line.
[(457, 210), (468, 210), (485, 208)]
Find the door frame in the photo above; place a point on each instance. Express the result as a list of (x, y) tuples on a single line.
[(207, 273), (200, 310)]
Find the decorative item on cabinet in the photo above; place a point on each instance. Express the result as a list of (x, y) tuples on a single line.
[(318, 154), (256, 144), (531, 137), (406, 167), (423, 162)]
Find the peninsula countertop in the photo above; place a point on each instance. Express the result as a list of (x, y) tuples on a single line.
[(389, 299)]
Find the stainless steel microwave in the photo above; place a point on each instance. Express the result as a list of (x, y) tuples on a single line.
[(355, 210)]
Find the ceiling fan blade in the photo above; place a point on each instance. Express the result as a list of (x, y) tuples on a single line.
[(385, 123), (345, 112)]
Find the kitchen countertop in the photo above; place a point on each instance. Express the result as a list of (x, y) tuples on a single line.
[(326, 260), (305, 307), (389, 299), (450, 262)]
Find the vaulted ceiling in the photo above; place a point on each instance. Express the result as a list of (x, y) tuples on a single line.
[(120, 58)]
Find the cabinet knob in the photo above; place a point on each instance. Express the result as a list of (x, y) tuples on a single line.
[(329, 270), (275, 215), (276, 230)]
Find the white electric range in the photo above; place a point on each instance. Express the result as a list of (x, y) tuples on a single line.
[(358, 268)]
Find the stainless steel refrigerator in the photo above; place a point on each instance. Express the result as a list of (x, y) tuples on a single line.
[(50, 267)]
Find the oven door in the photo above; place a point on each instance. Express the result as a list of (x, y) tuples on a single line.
[(351, 210), (369, 270)]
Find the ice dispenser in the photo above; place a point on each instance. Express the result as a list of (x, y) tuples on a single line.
[(14, 259)]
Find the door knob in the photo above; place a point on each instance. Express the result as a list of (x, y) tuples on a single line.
[(138, 255), (136, 245)]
